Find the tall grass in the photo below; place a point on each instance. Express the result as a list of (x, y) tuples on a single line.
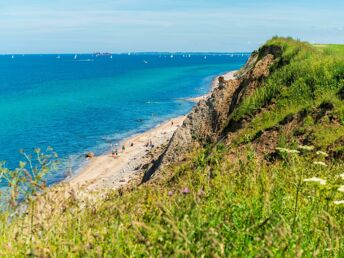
[(214, 207), (310, 74)]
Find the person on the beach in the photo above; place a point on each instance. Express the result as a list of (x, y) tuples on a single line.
[(131, 144), (123, 148), (112, 150), (151, 144), (172, 122)]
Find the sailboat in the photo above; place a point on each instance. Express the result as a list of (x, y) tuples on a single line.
[(58, 57), (75, 57)]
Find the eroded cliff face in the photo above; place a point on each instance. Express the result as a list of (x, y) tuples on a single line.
[(209, 120)]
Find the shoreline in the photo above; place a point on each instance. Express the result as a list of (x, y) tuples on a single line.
[(107, 171)]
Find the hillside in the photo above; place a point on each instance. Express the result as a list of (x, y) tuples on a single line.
[(256, 170)]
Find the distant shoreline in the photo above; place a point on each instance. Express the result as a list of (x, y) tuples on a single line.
[(108, 171)]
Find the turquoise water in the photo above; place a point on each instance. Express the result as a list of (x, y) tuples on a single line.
[(77, 104)]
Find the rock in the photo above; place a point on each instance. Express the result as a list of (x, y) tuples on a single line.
[(221, 79), (89, 155)]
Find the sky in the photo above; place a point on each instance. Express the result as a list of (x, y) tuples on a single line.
[(85, 26)]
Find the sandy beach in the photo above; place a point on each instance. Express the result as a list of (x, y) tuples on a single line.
[(109, 171)]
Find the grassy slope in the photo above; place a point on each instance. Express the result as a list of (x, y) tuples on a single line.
[(313, 76), (238, 207)]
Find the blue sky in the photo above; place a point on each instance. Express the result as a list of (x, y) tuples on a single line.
[(79, 26)]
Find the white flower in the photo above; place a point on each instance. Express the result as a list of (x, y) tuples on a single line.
[(341, 189), (305, 147), (338, 202), (319, 163), (315, 180), (321, 153), (341, 176), (288, 151)]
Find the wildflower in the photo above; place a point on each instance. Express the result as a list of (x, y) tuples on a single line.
[(338, 202), (305, 147), (170, 193), (315, 180), (289, 151), (341, 176), (341, 189), (319, 163), (186, 191), (322, 153)]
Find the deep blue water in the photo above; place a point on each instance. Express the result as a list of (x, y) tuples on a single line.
[(84, 104)]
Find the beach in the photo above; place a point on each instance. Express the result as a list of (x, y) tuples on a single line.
[(112, 171), (109, 171)]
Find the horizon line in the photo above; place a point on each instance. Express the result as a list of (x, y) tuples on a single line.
[(131, 52)]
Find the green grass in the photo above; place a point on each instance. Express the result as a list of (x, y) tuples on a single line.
[(246, 208), (332, 48), (313, 75), (219, 204)]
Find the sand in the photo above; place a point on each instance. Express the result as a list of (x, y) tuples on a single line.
[(107, 171)]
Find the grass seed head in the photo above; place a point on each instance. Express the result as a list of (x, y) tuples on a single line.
[(315, 180), (320, 163), (341, 189)]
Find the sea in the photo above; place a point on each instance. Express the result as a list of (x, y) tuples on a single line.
[(86, 102)]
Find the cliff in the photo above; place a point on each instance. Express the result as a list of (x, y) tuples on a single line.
[(210, 120), (272, 96)]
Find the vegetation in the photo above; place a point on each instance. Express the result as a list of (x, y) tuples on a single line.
[(218, 203), (312, 76)]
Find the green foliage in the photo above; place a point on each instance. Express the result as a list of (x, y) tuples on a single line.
[(229, 209), (310, 75), (29, 178)]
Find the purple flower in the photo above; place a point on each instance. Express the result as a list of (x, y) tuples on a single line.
[(170, 193), (186, 191)]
